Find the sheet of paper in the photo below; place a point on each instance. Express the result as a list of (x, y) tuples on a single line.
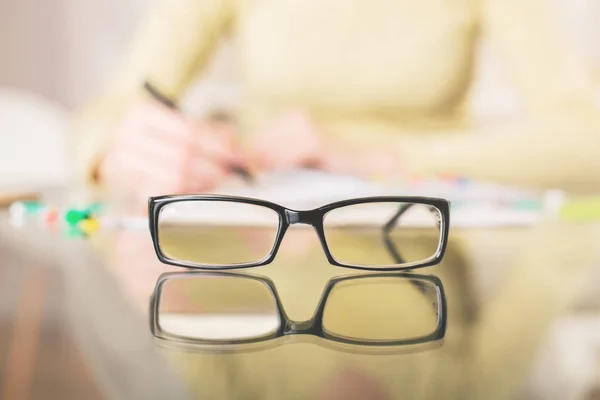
[(482, 204), (314, 187), (474, 204), (305, 188)]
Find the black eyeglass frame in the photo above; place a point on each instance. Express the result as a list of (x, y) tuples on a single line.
[(313, 217), (313, 326)]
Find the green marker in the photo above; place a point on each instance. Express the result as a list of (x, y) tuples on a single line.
[(74, 216)]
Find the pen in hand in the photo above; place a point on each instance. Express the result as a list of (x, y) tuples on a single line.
[(237, 169)]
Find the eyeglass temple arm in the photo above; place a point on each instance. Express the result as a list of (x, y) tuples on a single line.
[(390, 225), (386, 233)]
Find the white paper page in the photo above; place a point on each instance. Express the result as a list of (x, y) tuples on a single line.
[(305, 189), (482, 203), (314, 188)]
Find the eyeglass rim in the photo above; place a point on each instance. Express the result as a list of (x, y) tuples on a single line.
[(317, 215), (313, 326)]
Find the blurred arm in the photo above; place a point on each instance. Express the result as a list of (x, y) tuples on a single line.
[(555, 153), (174, 41), (558, 146)]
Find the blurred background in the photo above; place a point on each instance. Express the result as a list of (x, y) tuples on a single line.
[(65, 50), (57, 55)]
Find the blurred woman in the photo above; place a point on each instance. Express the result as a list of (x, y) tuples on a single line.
[(376, 87)]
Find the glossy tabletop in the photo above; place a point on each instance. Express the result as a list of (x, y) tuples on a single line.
[(505, 289)]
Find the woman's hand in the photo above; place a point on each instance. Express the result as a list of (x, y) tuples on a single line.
[(290, 141), (158, 151), (294, 141)]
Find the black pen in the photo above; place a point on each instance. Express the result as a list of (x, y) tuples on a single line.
[(237, 169)]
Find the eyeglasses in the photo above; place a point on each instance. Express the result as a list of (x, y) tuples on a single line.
[(373, 233), (228, 310)]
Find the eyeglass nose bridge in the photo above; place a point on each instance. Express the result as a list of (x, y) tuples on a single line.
[(299, 327), (301, 217)]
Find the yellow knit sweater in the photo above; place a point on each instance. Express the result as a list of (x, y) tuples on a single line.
[(388, 73)]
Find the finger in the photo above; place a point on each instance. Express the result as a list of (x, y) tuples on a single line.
[(203, 174), (223, 130), (162, 118), (161, 149), (259, 159), (262, 151), (209, 145), (148, 120)]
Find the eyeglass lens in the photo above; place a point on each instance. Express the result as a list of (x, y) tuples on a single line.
[(383, 234), (216, 308), (217, 233)]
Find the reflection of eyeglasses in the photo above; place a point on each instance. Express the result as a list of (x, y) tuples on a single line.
[(369, 233), (225, 310)]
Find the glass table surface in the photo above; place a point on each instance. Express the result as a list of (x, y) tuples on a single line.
[(506, 288)]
